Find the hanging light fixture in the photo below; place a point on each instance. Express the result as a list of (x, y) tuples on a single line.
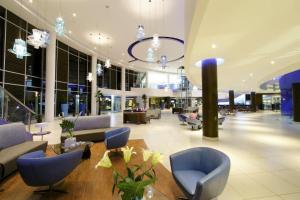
[(19, 49), (38, 38), (163, 61), (140, 32), (59, 26), (150, 57), (99, 69), (89, 77), (107, 63), (155, 42)]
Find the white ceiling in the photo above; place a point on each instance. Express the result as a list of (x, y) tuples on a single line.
[(118, 23), (249, 35)]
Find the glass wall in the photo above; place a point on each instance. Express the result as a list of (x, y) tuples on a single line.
[(110, 77), (23, 78), (72, 89), (135, 79), (157, 80)]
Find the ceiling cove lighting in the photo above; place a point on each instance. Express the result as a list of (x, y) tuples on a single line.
[(19, 49), (155, 42), (140, 32), (59, 26), (219, 61), (38, 39)]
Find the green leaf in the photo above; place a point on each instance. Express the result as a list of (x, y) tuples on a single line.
[(130, 173)]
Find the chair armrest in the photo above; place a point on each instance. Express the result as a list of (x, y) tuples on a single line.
[(35, 154), (213, 183)]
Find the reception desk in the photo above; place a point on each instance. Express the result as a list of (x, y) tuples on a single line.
[(135, 117)]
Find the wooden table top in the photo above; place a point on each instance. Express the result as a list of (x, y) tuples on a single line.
[(86, 182)]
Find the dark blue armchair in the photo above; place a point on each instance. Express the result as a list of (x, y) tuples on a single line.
[(116, 138), (182, 118), (201, 172), (38, 170)]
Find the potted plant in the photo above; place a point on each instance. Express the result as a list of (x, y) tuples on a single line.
[(144, 97), (68, 126), (138, 177), (99, 96)]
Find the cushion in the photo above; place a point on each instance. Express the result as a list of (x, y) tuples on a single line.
[(187, 179), (9, 155), (12, 134)]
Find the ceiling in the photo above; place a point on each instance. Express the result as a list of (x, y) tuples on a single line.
[(116, 21), (258, 40)]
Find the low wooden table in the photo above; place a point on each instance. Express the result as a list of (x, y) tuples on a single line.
[(135, 117), (86, 182)]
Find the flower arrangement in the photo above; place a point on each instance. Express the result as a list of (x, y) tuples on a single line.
[(132, 185)]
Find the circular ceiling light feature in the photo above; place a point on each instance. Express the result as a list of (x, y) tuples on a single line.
[(136, 58), (219, 61)]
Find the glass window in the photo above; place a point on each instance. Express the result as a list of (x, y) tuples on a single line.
[(73, 69), (62, 65)]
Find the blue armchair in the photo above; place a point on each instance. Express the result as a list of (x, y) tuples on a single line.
[(182, 118), (201, 172), (116, 138), (38, 170)]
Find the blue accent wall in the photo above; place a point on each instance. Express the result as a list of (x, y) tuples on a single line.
[(285, 82)]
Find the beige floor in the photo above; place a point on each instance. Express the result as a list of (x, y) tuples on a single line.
[(264, 149)]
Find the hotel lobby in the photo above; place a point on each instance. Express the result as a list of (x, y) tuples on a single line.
[(149, 99)]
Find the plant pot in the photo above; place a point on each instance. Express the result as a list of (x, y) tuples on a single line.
[(70, 142)]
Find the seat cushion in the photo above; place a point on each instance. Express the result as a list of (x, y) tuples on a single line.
[(187, 179), (9, 155), (12, 134)]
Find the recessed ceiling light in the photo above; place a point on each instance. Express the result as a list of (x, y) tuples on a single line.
[(123, 54), (251, 74), (244, 81), (70, 31), (272, 62), (30, 1), (74, 14), (213, 46), (95, 48)]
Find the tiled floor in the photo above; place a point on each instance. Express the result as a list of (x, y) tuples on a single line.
[(264, 149)]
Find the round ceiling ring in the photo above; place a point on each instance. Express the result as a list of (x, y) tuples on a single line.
[(130, 48)]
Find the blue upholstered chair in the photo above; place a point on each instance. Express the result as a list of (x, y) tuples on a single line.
[(38, 170), (182, 118), (201, 172), (116, 138)]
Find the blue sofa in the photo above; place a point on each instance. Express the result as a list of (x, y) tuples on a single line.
[(116, 138), (182, 118), (201, 172), (14, 142), (38, 170)]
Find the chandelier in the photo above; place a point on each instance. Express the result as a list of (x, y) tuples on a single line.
[(107, 63), (140, 32), (89, 77), (155, 42), (150, 57), (99, 69), (59, 26), (163, 61), (19, 49), (38, 38)]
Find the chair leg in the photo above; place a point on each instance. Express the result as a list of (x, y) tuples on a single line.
[(50, 189), (182, 198)]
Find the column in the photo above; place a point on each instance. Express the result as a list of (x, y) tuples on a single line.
[(123, 97), (94, 86), (50, 78), (231, 101), (296, 101), (210, 98), (253, 101)]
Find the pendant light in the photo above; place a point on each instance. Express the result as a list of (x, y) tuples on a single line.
[(59, 23), (107, 63), (140, 29), (19, 48), (163, 61), (99, 69)]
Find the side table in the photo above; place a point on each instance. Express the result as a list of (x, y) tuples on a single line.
[(41, 133)]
